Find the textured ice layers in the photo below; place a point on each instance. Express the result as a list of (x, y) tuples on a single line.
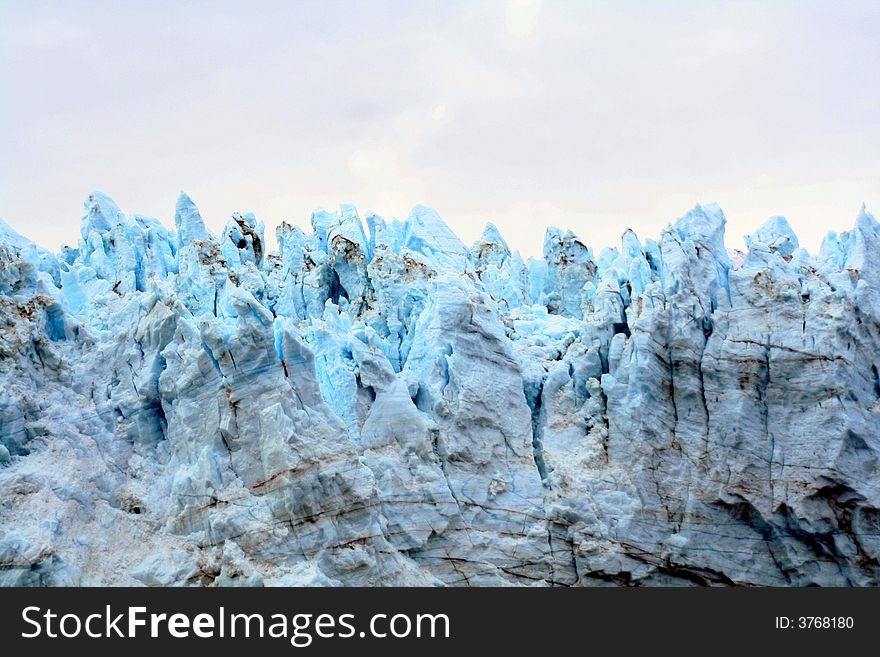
[(379, 404)]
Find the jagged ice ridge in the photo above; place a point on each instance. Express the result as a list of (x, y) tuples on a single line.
[(379, 404)]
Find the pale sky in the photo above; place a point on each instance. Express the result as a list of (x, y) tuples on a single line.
[(594, 116)]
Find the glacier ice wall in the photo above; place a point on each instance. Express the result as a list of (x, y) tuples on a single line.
[(377, 404)]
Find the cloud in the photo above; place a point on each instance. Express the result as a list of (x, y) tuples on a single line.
[(521, 17), (383, 184)]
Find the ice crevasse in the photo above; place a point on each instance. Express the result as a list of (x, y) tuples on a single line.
[(377, 403)]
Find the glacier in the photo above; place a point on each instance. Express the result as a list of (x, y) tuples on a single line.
[(376, 403)]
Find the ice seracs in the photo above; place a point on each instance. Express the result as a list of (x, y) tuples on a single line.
[(377, 403)]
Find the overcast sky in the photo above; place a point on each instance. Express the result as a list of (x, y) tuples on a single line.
[(592, 116)]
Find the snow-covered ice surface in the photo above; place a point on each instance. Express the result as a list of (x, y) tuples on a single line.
[(379, 404)]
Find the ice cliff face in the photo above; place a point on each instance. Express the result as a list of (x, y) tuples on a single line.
[(379, 404)]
